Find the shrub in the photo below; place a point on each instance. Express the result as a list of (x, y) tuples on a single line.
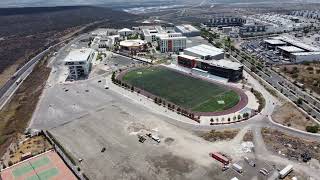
[(313, 129)]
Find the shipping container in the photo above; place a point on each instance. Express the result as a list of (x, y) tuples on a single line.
[(237, 167), (220, 158), (284, 172)]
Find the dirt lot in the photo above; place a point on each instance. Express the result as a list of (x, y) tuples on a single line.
[(289, 146), (248, 136), (307, 74), (34, 145), (15, 116), (214, 135), (289, 115)]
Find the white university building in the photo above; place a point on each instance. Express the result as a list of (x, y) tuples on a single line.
[(79, 62)]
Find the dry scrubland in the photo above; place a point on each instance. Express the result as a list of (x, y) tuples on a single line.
[(289, 115), (307, 73), (15, 116)]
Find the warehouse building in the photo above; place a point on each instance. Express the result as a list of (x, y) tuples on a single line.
[(273, 43), (286, 51), (295, 50), (232, 71), (305, 56), (293, 42), (205, 52), (187, 30), (79, 63)]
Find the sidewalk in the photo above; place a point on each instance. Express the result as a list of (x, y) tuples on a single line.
[(204, 120)]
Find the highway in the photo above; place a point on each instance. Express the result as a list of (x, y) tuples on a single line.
[(14, 82), (309, 104)]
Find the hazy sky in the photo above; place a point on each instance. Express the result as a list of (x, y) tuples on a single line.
[(20, 3)]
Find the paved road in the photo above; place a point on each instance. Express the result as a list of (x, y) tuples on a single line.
[(310, 104), (12, 84)]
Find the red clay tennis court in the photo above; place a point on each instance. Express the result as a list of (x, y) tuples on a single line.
[(46, 166)]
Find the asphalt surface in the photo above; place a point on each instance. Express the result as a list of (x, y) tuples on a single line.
[(310, 104), (85, 117)]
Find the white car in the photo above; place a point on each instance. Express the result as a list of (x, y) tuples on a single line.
[(156, 138)]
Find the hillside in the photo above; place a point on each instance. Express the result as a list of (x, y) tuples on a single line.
[(26, 31)]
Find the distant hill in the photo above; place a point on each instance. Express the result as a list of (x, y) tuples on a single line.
[(32, 20), (26, 31)]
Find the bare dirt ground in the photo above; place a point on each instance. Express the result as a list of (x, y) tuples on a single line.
[(34, 145), (289, 115), (7, 73), (289, 146), (15, 116), (214, 135), (248, 136), (307, 74)]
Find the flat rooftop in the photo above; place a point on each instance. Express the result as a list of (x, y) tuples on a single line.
[(291, 49), (125, 30), (227, 64), (306, 53), (297, 43), (187, 28), (275, 42), (187, 56), (77, 55), (205, 50), (132, 43), (173, 38), (48, 166)]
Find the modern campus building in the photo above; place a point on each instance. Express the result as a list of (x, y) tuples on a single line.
[(225, 21), (209, 59), (150, 34), (170, 43), (133, 46), (188, 30), (232, 71), (205, 52), (125, 32), (79, 62)]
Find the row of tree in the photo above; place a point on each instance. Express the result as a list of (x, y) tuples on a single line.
[(179, 110), (239, 117)]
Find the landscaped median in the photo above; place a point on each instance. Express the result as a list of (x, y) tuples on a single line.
[(187, 95)]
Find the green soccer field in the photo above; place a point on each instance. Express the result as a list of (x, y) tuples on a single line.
[(185, 91)]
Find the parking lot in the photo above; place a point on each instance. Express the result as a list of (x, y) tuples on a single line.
[(257, 48)]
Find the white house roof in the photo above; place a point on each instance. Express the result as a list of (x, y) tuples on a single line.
[(78, 55), (205, 50)]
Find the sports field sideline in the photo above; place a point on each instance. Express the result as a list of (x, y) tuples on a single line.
[(46, 166), (189, 92)]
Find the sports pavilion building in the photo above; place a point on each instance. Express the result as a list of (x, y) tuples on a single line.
[(209, 59)]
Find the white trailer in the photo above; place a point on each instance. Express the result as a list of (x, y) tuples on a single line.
[(284, 172), (237, 167)]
